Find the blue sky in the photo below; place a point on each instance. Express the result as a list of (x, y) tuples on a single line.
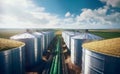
[(60, 7), (80, 14)]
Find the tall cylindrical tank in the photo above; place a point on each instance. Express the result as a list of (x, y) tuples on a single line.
[(40, 45), (31, 48), (101, 57), (76, 51), (46, 39), (6, 62), (43, 39), (18, 58), (12, 57), (76, 47), (67, 38), (51, 36), (71, 34)]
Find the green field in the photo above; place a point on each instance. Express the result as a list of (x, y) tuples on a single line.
[(103, 33), (106, 35)]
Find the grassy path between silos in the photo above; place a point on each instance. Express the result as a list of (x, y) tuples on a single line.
[(56, 63)]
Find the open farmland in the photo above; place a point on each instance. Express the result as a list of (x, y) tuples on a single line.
[(6, 33), (107, 34), (103, 33)]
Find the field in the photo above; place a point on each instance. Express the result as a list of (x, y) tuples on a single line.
[(6, 33), (106, 34), (103, 33)]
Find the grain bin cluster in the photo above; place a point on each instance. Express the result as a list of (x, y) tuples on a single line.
[(36, 44), (93, 54), (74, 41), (23, 51), (67, 37), (12, 60)]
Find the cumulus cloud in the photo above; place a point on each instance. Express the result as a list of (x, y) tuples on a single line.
[(113, 3), (24, 13), (97, 18), (68, 14)]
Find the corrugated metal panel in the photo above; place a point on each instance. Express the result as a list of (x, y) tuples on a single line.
[(6, 62), (76, 51), (38, 46), (67, 37), (76, 46), (30, 47), (18, 66), (46, 39), (12, 61), (96, 63), (30, 51), (49, 35)]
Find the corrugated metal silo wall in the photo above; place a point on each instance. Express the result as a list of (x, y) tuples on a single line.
[(43, 43), (29, 51), (18, 61), (38, 48), (76, 51), (6, 62), (12, 61), (46, 40), (96, 63)]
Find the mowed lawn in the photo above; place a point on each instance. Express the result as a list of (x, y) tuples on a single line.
[(106, 35)]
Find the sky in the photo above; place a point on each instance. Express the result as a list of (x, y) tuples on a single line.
[(66, 14)]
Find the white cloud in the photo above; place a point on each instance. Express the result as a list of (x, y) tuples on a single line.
[(97, 18), (68, 14), (113, 3), (24, 13)]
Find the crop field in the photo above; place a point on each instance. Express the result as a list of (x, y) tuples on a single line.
[(103, 33), (106, 35)]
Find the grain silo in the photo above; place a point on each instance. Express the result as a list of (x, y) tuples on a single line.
[(12, 57), (76, 46), (46, 39), (39, 46), (67, 37), (31, 47), (49, 35), (101, 57)]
